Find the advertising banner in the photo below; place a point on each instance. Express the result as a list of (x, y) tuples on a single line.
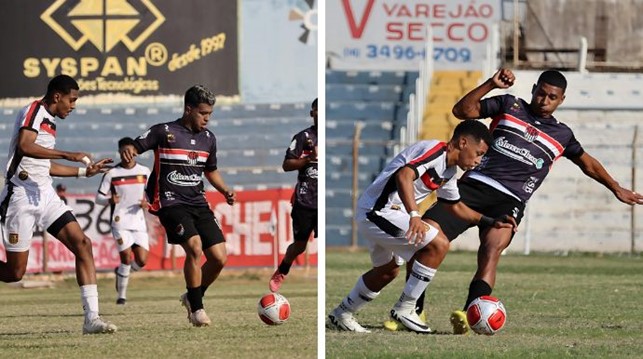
[(135, 47), (390, 34), (257, 229)]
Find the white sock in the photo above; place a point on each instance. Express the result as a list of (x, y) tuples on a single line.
[(122, 279), (136, 267), (359, 296), (417, 283), (89, 298)]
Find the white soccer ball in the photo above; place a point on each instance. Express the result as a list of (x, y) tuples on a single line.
[(273, 309), (486, 315)]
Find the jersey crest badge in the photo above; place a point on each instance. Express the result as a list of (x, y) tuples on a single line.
[(192, 158), (13, 238), (531, 133)]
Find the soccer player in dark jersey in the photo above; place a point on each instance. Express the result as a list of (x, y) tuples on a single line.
[(527, 141), (185, 151), (300, 156)]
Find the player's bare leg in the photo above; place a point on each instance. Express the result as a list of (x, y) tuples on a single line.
[(217, 257), (492, 242), (140, 257), (15, 267), (192, 275), (72, 236)]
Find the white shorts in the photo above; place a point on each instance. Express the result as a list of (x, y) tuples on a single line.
[(28, 207), (386, 236), (126, 238)]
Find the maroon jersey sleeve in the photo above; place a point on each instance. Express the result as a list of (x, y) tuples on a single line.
[(149, 139)]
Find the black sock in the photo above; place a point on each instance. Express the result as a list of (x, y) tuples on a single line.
[(284, 268), (477, 288), (203, 289), (195, 298)]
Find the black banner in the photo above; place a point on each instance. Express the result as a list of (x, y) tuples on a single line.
[(136, 47)]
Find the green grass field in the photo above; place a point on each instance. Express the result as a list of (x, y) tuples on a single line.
[(578, 306), (46, 323)]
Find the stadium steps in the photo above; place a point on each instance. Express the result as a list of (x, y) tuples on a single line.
[(446, 88)]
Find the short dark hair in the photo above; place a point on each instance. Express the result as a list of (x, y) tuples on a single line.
[(125, 141), (554, 78), (199, 94), (475, 129), (61, 83), (314, 104)]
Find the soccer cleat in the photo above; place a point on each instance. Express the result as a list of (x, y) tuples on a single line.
[(98, 326), (459, 322), (200, 318), (394, 325), (410, 319), (186, 303), (121, 301), (276, 281), (344, 321)]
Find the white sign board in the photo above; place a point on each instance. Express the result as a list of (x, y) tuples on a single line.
[(390, 34)]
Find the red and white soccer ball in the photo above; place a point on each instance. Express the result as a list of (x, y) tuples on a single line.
[(273, 309), (486, 315)]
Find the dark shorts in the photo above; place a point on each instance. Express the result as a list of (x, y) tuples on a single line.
[(183, 222), (480, 197), (304, 221)]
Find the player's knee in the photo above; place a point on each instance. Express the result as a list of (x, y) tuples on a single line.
[(141, 262), (222, 259), (494, 248), (82, 246), (439, 245)]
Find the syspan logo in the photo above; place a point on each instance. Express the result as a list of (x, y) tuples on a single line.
[(103, 23)]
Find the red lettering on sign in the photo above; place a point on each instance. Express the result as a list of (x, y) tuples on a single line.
[(357, 30)]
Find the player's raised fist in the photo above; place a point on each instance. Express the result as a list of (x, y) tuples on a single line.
[(503, 79)]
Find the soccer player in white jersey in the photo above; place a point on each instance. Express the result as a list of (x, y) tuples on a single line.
[(387, 216), (29, 199), (123, 188)]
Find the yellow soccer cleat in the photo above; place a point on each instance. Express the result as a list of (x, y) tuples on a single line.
[(394, 325), (459, 322)]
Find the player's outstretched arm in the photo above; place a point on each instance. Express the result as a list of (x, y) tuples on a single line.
[(595, 170), (465, 213), (468, 108), (215, 179), (60, 170), (28, 147)]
